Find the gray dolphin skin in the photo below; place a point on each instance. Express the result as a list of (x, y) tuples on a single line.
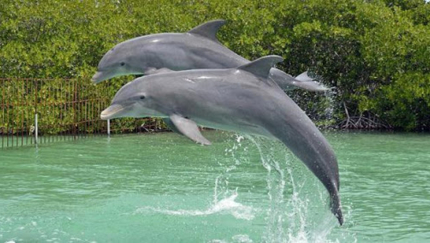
[(242, 99), (197, 49)]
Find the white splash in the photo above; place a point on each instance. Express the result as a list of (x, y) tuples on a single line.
[(235, 239), (289, 216), (224, 206)]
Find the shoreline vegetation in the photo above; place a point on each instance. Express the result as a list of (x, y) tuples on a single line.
[(375, 54)]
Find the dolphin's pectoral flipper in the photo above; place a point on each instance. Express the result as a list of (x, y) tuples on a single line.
[(172, 126), (189, 128), (209, 29)]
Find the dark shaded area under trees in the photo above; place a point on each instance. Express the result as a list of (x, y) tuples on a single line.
[(375, 53)]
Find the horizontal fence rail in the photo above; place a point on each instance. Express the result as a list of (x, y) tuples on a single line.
[(62, 109), (46, 110)]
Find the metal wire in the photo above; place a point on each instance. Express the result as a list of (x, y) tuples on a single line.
[(62, 106), (67, 109)]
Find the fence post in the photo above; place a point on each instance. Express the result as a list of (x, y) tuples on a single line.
[(75, 98), (36, 128), (36, 101)]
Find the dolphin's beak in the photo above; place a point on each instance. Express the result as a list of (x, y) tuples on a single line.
[(98, 77), (112, 111)]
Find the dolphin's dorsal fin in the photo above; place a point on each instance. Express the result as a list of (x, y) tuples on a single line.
[(208, 29), (261, 67), (188, 128)]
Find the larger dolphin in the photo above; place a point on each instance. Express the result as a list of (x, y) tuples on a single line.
[(199, 48), (242, 99)]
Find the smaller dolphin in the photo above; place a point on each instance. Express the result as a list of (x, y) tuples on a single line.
[(242, 99), (199, 48)]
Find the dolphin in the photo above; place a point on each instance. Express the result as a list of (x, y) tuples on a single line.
[(199, 48), (243, 100)]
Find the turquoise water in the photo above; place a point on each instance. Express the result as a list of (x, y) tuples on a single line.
[(164, 188)]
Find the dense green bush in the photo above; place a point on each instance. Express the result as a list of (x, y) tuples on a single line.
[(375, 53)]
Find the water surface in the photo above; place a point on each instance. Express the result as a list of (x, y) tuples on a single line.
[(164, 188)]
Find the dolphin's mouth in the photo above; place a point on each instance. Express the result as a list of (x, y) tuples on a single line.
[(100, 76), (112, 111), (97, 77)]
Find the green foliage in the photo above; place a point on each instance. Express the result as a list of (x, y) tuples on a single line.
[(62, 105), (375, 53)]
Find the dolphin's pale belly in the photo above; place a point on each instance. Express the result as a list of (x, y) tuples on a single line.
[(241, 127)]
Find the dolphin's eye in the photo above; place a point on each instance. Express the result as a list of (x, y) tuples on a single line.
[(122, 64), (142, 97)]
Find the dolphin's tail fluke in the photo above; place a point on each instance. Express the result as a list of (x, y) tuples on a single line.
[(336, 207), (308, 83), (304, 77)]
